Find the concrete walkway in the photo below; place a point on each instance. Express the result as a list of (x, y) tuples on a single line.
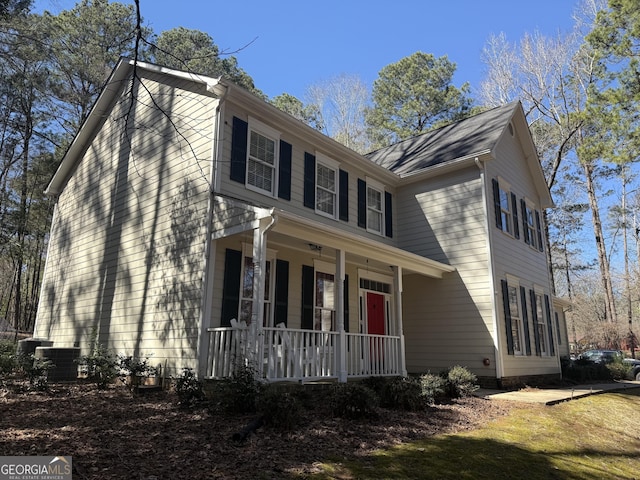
[(551, 396)]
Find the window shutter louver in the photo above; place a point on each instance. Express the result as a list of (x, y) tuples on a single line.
[(514, 206), (507, 317), (388, 215), (281, 312), (547, 307), (343, 196), (308, 286), (534, 317), (539, 231), (496, 203), (525, 229), (231, 287), (525, 320), (362, 203), (309, 180), (239, 150), (284, 171)]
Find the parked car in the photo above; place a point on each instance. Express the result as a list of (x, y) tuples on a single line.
[(601, 356), (635, 367)]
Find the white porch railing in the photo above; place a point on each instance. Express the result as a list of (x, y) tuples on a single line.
[(301, 355)]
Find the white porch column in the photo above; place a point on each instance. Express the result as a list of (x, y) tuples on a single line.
[(339, 312), (397, 282), (259, 271)]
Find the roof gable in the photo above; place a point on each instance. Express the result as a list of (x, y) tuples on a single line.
[(471, 136)]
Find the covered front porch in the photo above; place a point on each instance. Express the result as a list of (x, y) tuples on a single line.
[(314, 321)]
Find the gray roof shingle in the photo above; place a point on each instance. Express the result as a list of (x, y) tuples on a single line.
[(467, 137)]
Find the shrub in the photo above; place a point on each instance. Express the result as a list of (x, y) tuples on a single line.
[(460, 382), (432, 387), (189, 389), (619, 370), (36, 370), (8, 361), (402, 393), (354, 401), (280, 409), (239, 393), (135, 369), (101, 366)]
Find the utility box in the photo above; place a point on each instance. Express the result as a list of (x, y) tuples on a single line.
[(64, 359)]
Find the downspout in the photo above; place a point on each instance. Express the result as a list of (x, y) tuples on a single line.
[(206, 308), (492, 284)]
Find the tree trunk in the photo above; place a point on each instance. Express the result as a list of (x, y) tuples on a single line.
[(605, 273)]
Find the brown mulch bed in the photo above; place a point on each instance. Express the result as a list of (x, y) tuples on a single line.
[(112, 434)]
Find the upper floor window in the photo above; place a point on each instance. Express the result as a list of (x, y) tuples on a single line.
[(262, 157), (505, 205), (530, 225), (326, 186), (374, 209), (259, 159)]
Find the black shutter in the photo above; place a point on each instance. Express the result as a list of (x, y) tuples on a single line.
[(346, 303), (514, 206), (239, 150), (388, 215), (231, 286), (308, 286), (282, 292), (284, 171), (309, 180), (496, 203), (525, 223), (362, 203), (534, 317), (507, 317), (547, 307), (539, 229), (525, 320), (343, 196)]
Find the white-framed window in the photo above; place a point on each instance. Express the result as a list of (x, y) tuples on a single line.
[(515, 310), (247, 283), (504, 193), (326, 186), (375, 207), (262, 157), (532, 231), (540, 326), (324, 305)]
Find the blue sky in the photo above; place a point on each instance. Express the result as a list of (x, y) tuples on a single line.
[(292, 44)]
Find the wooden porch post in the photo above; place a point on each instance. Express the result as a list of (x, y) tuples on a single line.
[(259, 270), (397, 272), (341, 351)]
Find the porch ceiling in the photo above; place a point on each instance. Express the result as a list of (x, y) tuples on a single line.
[(309, 231)]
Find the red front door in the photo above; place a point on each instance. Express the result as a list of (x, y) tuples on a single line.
[(375, 313), (375, 326)]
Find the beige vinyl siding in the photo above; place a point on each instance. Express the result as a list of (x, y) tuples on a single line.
[(295, 205), (514, 257), (447, 321), (126, 255)]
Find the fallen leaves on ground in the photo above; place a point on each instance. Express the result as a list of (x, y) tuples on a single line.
[(112, 434)]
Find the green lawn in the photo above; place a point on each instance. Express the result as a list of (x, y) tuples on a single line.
[(597, 437)]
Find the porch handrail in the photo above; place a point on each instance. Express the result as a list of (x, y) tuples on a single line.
[(293, 354)]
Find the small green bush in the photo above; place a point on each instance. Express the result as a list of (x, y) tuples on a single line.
[(8, 361), (189, 389), (134, 370), (280, 409), (36, 370), (354, 401), (432, 387), (460, 382), (619, 370), (101, 366), (240, 392), (402, 393)]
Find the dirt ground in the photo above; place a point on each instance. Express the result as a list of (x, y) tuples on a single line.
[(112, 434)]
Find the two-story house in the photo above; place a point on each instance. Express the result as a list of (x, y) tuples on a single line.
[(197, 223)]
